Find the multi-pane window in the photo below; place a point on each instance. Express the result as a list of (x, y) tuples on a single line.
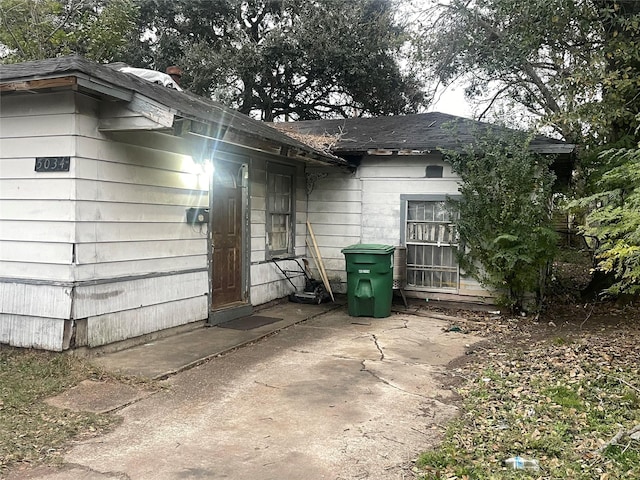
[(280, 203), (431, 246)]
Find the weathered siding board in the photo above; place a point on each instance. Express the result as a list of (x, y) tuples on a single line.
[(36, 252), (32, 331), (38, 105), (334, 195), (329, 230), (16, 170), (411, 185), (106, 148), (37, 271), (413, 166), (93, 300), (114, 327), (111, 191), (37, 210), (88, 253), (31, 147), (53, 125), (87, 232), (22, 231), (335, 214), (37, 188), (130, 213), (334, 218), (135, 174), (140, 267), (35, 300)]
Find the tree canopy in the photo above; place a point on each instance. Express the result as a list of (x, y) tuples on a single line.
[(575, 64), (284, 59), (39, 29)]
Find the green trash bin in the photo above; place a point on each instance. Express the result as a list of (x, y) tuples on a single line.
[(369, 279)]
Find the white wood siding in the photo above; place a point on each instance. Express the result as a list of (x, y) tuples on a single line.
[(117, 220), (365, 208), (131, 201), (32, 332), (267, 283), (36, 209), (335, 214), (114, 327)]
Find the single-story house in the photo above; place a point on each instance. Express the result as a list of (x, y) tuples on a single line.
[(128, 208), (396, 195)]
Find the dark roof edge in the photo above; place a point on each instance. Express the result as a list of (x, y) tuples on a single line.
[(185, 104)]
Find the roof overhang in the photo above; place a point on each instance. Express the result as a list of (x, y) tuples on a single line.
[(135, 109)]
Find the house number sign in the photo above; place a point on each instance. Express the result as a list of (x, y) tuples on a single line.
[(52, 164)]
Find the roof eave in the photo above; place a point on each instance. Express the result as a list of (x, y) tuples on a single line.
[(76, 79)]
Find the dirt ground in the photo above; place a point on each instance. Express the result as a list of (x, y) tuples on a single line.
[(566, 316)]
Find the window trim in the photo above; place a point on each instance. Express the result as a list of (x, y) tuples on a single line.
[(404, 205), (273, 168)]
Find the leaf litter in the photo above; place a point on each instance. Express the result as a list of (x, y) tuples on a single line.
[(554, 388)]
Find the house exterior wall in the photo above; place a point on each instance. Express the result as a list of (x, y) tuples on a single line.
[(335, 214), (37, 221), (267, 282), (365, 207), (106, 244), (103, 252)]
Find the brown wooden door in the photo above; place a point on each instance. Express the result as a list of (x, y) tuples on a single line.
[(226, 230)]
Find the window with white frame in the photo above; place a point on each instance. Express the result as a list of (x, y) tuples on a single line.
[(431, 241), (280, 209)]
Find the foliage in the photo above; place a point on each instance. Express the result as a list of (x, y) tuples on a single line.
[(574, 64), (613, 219), (40, 29), (283, 59), (560, 401), (504, 219)]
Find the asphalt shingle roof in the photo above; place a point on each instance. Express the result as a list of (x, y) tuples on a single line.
[(422, 132)]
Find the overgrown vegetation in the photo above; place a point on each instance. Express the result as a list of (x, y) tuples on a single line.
[(613, 220), (30, 430), (570, 403), (503, 215)]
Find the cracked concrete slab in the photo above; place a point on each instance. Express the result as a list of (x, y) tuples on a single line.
[(335, 397), (98, 396)]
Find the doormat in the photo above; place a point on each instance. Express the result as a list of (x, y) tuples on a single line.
[(248, 323)]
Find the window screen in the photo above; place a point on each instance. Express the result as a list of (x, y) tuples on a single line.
[(431, 246)]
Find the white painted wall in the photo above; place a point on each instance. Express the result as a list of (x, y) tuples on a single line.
[(267, 282), (335, 214), (364, 207), (107, 241)]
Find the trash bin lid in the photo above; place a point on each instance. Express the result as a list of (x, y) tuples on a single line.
[(371, 248)]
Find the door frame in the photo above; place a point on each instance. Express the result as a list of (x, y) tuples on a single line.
[(243, 307)]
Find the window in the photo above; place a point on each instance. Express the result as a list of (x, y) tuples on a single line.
[(434, 171), (431, 241), (280, 209)]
